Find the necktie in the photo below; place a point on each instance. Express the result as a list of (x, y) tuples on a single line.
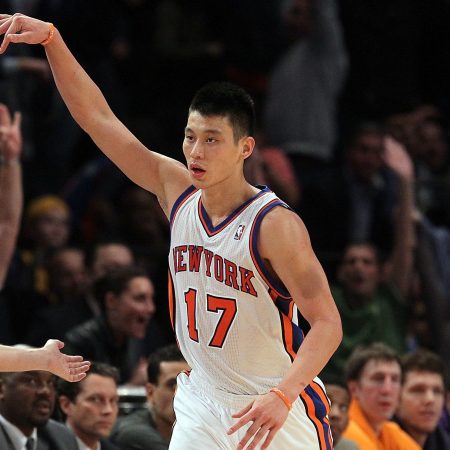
[(29, 444)]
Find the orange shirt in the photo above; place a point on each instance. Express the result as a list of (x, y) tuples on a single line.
[(391, 436)]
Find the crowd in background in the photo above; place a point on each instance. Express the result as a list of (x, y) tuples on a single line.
[(353, 107)]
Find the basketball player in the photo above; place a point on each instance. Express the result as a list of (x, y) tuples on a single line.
[(240, 264)]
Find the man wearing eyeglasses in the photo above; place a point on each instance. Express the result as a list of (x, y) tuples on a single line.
[(27, 400)]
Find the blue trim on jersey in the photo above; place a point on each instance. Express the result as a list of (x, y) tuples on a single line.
[(298, 335), (278, 286), (320, 412), (179, 200), (211, 230)]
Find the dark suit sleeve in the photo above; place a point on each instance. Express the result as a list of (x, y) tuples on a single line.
[(139, 438)]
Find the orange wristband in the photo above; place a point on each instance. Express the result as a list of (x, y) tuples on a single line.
[(283, 397), (51, 33)]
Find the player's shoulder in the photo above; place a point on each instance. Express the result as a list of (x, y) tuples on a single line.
[(281, 217)]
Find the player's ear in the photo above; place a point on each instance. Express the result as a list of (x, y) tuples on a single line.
[(247, 146)]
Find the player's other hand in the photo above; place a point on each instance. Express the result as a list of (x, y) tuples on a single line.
[(268, 414), (22, 29), (71, 368)]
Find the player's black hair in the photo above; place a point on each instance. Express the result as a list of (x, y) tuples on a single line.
[(228, 100)]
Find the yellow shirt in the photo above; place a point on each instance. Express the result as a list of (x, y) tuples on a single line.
[(391, 436)]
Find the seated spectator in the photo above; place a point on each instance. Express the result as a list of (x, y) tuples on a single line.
[(115, 337), (27, 400), (91, 406), (373, 375), (151, 428), (68, 303), (339, 397), (422, 400)]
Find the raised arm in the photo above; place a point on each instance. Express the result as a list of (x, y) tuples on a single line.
[(48, 357), (11, 195), (159, 174), (401, 261), (284, 243)]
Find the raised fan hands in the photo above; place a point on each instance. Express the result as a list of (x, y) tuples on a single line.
[(268, 414), (22, 29), (10, 135), (71, 368)]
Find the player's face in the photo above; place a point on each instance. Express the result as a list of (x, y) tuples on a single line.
[(94, 411), (133, 308), (378, 390), (161, 395), (212, 154), (340, 399), (421, 401)]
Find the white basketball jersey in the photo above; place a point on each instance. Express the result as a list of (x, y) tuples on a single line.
[(235, 324)]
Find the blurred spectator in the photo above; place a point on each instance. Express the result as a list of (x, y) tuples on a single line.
[(90, 407), (115, 337), (68, 303), (303, 90), (46, 229), (372, 294), (108, 256), (151, 428), (11, 201), (26, 403), (433, 267), (339, 397), (373, 375), (422, 400), (359, 195)]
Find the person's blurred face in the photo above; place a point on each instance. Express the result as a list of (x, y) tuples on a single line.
[(68, 273), (338, 415), (432, 144), (27, 399), (365, 155), (161, 395), (377, 390), (421, 401), (359, 270), (51, 230), (94, 412), (110, 257), (131, 311)]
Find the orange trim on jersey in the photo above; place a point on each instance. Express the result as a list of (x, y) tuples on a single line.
[(171, 298), (252, 253), (311, 413), (230, 219)]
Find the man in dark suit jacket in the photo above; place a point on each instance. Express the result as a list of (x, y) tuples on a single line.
[(27, 400), (91, 406), (151, 428)]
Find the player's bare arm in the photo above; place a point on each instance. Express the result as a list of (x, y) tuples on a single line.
[(163, 176), (284, 244)]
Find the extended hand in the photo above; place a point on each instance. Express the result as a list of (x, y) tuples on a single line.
[(22, 29), (71, 368), (268, 415)]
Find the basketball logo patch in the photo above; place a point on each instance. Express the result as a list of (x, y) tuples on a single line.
[(239, 232)]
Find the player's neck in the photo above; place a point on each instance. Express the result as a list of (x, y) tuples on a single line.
[(220, 201)]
